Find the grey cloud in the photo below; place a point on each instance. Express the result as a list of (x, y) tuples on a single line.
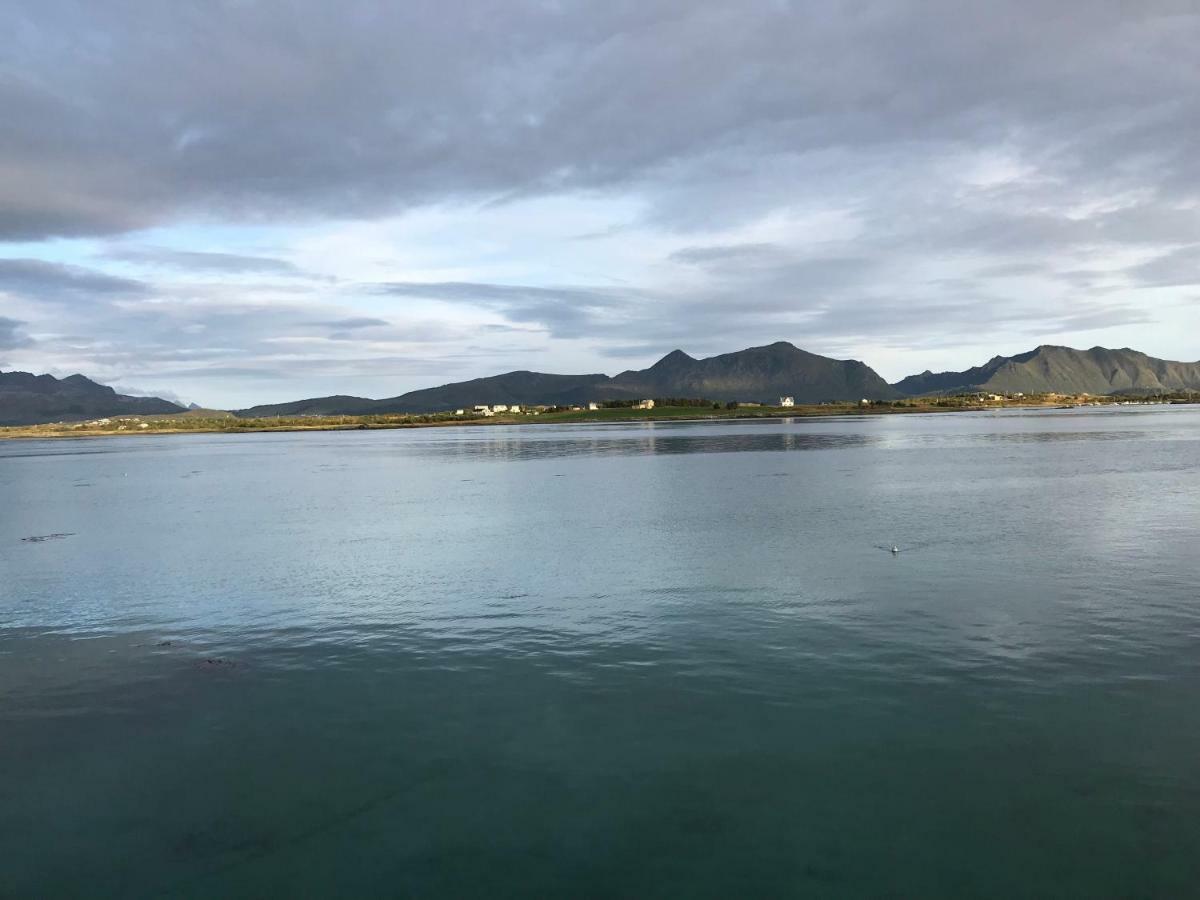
[(353, 323), (1091, 319), (10, 334), (565, 311), (726, 253), (228, 372), (493, 328), (373, 107), (39, 280), (1175, 269), (502, 294), (1011, 270), (201, 261)]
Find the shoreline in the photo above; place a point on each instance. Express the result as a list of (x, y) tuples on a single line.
[(173, 425)]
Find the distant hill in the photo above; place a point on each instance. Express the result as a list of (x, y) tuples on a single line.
[(27, 399), (759, 373), (1062, 370)]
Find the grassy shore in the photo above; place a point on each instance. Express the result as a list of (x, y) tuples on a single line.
[(224, 423)]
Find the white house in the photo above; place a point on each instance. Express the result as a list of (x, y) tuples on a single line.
[(787, 401), (459, 412), (500, 407), (514, 408), (592, 407), (645, 404), (483, 410)]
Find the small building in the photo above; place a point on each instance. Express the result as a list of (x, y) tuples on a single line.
[(787, 401), (483, 410), (593, 406), (459, 412), (645, 404), (514, 408), (864, 402), (500, 407)]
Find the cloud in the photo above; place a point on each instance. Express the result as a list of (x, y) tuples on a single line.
[(198, 261), (726, 253), (10, 334), (353, 323), (565, 310), (161, 393), (475, 99), (1177, 268), (36, 279)]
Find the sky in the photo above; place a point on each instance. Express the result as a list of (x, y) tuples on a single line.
[(243, 202)]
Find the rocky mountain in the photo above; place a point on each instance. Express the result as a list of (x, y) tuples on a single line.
[(1062, 370), (759, 373), (27, 399)]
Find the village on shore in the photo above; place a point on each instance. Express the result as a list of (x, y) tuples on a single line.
[(597, 412), (980, 398)]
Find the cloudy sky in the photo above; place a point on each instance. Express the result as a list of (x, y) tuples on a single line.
[(238, 202)]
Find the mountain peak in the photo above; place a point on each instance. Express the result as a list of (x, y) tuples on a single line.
[(674, 358)]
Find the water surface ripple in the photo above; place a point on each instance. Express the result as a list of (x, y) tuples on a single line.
[(646, 660)]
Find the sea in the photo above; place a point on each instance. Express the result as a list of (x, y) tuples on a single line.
[(672, 659)]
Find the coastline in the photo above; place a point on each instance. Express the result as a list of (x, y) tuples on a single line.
[(185, 424)]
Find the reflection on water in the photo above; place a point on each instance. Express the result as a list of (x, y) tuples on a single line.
[(396, 663), (510, 445)]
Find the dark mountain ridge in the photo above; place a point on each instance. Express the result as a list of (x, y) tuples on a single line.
[(1062, 370), (759, 373), (27, 399)]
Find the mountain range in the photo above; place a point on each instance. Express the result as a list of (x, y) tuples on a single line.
[(759, 373), (1062, 370), (27, 399)]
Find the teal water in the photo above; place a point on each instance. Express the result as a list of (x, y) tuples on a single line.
[(659, 660)]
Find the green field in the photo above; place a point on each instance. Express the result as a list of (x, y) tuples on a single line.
[(220, 422)]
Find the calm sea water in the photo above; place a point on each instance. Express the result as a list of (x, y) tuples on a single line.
[(663, 660)]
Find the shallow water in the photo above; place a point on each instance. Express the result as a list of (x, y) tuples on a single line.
[(641, 660)]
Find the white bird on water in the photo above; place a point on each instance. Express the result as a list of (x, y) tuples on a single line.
[(896, 550)]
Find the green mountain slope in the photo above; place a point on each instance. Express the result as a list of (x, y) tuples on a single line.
[(1062, 370)]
